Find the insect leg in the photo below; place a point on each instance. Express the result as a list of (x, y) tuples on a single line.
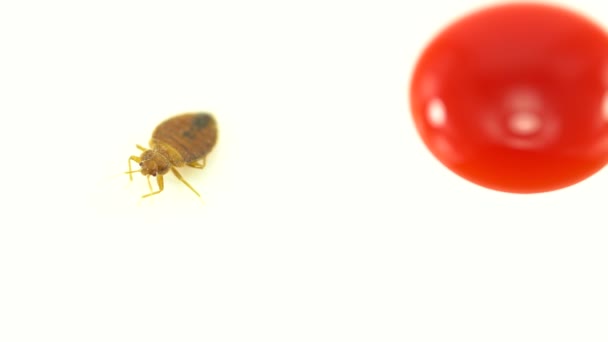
[(161, 186), (184, 181), (198, 164), (135, 159), (141, 148)]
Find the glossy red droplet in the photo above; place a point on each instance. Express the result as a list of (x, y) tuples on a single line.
[(515, 97)]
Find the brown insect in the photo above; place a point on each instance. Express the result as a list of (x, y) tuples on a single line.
[(184, 139)]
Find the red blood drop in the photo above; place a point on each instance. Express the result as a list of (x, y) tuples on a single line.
[(515, 97)]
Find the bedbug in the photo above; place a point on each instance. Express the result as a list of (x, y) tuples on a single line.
[(181, 140)]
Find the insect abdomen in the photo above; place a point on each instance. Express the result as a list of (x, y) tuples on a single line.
[(192, 135)]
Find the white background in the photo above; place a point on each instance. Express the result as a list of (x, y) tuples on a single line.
[(323, 217)]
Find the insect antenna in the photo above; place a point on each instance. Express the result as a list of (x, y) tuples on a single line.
[(131, 172)]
